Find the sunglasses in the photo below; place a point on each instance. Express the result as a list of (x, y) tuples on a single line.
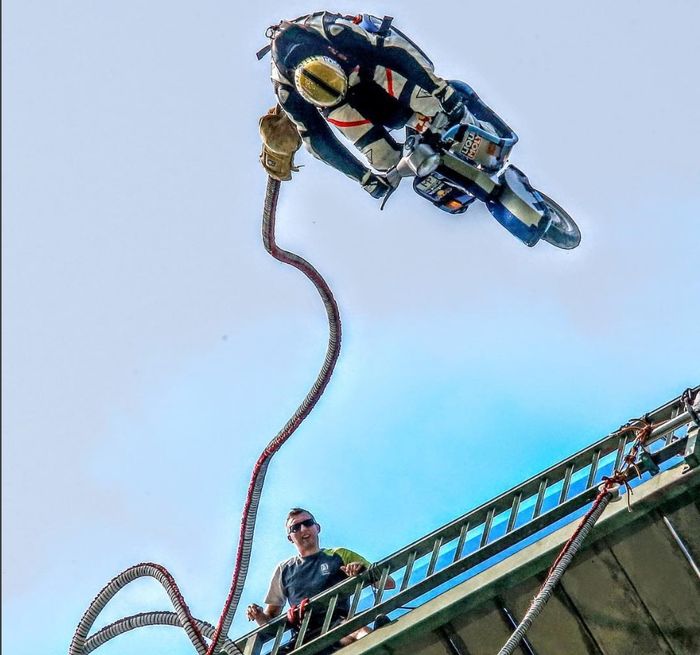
[(295, 527)]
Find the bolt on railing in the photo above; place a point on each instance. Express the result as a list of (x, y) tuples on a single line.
[(463, 547)]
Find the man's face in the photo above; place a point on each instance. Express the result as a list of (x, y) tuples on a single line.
[(304, 537)]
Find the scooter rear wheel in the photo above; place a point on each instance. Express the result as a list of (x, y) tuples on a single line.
[(562, 231)]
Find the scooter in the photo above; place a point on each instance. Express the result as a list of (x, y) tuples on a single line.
[(455, 164)]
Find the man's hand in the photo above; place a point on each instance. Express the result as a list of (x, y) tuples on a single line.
[(376, 185), (256, 613), (353, 569), (452, 105)]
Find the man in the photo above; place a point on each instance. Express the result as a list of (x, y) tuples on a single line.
[(363, 76), (309, 573)]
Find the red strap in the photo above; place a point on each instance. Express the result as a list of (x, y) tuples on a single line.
[(338, 123), (296, 613), (389, 82)]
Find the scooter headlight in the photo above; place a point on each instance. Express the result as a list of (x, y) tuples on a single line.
[(428, 165), (423, 160)]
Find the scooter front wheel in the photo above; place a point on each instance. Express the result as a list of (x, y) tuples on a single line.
[(562, 231)]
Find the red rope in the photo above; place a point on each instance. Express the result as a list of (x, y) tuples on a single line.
[(248, 520), (181, 599), (296, 613), (619, 477)]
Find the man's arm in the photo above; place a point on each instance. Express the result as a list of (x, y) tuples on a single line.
[(317, 135), (355, 568), (261, 616), (324, 145), (274, 601), (354, 564)]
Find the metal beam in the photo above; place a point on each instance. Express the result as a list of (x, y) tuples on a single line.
[(533, 559), (453, 642)]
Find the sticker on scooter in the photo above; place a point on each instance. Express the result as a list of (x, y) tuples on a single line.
[(470, 147), (432, 186)]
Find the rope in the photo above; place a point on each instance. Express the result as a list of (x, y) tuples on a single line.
[(557, 571), (642, 428), (160, 573), (148, 618), (256, 483), (80, 644)]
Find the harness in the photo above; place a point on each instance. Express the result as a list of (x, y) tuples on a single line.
[(369, 23)]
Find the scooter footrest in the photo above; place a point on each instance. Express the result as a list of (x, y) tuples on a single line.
[(442, 194)]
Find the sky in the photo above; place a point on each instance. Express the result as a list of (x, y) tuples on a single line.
[(151, 347)]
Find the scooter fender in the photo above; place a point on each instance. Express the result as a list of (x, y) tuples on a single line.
[(519, 207)]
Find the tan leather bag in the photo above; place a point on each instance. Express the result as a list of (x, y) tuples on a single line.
[(280, 141)]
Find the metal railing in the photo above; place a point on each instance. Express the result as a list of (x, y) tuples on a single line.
[(476, 540)]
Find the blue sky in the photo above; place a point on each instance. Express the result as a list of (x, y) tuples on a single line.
[(152, 348)]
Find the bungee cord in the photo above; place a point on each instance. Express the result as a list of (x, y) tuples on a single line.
[(608, 490), (258, 478), (196, 629), (161, 574), (150, 618)]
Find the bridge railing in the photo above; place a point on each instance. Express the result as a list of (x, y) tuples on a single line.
[(479, 538)]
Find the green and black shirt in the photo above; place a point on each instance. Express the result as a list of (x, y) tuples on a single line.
[(304, 577)]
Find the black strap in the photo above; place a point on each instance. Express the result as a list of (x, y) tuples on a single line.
[(270, 34), (386, 25), (263, 51)]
